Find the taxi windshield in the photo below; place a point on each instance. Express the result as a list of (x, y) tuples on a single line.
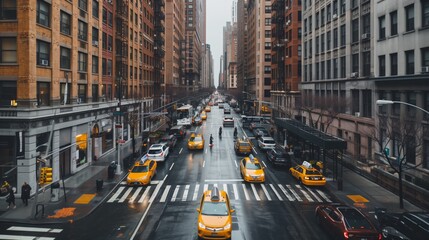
[(312, 172), (138, 169), (195, 139), (244, 144), (214, 209), (253, 166)]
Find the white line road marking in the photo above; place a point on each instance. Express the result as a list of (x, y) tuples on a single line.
[(306, 195), (314, 194), (286, 193), (124, 183), (196, 129), (171, 167), (215, 185), (275, 191), (236, 165), (294, 193), (185, 193), (245, 191), (255, 193), (224, 180), (206, 186), (204, 163), (176, 191), (146, 191), (197, 188), (113, 198), (234, 186), (12, 237), (165, 177), (35, 229), (136, 193), (225, 187), (264, 164), (154, 182), (125, 195), (323, 195), (266, 192), (180, 150), (165, 193), (206, 150)]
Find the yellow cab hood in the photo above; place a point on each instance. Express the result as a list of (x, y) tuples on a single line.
[(255, 172), (137, 175), (214, 221)]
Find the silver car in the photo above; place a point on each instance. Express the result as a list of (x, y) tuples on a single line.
[(266, 143)]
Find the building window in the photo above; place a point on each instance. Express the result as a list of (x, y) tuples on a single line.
[(109, 67), (65, 23), (95, 92), (355, 63), (317, 45), (343, 67), (425, 57), (110, 18), (354, 4), (343, 35), (411, 99), (81, 93), (95, 36), (43, 13), (317, 71), (343, 6), (267, 93), (43, 94), (394, 64), (267, 33), (382, 65), (366, 23), (366, 58), (65, 58), (8, 10), (317, 20), (425, 160), (382, 27), (95, 64), (425, 13), (267, 21), (322, 17), (355, 30), (82, 62), (322, 43), (83, 31), (335, 37), (328, 13), (8, 92), (394, 23), (409, 13), (335, 7), (104, 16), (43, 53), (8, 50), (328, 41), (95, 7), (409, 62), (335, 63), (328, 69), (267, 69), (83, 4), (396, 96)]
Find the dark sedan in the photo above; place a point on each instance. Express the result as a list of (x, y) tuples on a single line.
[(278, 156), (170, 140), (344, 222)]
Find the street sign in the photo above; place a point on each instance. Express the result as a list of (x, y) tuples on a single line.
[(118, 126), (118, 113)]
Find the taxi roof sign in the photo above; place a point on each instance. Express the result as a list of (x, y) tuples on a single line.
[(215, 194), (307, 164), (144, 158), (251, 157)]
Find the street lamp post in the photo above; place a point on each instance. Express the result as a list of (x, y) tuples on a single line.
[(381, 102)]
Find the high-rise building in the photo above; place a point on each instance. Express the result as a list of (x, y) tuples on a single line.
[(230, 56), (242, 47)]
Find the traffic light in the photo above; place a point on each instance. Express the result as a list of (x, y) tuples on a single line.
[(45, 175)]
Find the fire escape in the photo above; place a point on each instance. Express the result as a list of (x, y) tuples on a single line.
[(121, 48), (159, 51), (279, 52)]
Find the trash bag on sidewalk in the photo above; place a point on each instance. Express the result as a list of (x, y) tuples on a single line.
[(111, 170)]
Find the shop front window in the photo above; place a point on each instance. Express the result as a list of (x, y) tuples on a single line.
[(81, 149)]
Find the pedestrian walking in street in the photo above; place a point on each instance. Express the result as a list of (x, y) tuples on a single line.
[(10, 199), (25, 193)]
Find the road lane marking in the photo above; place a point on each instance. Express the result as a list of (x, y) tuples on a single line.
[(204, 163), (165, 177), (234, 186), (176, 191), (323, 195), (286, 193), (125, 195), (215, 185), (171, 167), (34, 229), (266, 192), (180, 151), (206, 150), (185, 193), (314, 194), (236, 165), (113, 198), (145, 193), (275, 192), (165, 193), (225, 187), (154, 182), (245, 191), (12, 237), (294, 193), (264, 164), (306, 195), (134, 196), (254, 192), (197, 188), (224, 180)]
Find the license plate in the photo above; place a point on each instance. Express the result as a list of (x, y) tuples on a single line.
[(214, 234), (316, 178), (364, 239)]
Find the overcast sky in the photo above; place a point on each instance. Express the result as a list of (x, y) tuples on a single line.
[(218, 13)]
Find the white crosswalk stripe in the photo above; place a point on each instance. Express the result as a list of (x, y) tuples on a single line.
[(33, 231), (247, 192)]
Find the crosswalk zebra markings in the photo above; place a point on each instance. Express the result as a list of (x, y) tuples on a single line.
[(323, 195), (176, 191), (314, 194), (294, 193), (197, 188), (254, 192), (125, 195), (245, 191), (266, 192), (145, 193), (234, 187), (185, 193), (305, 193), (165, 193), (13, 237), (35, 229), (136, 193), (286, 193), (275, 192), (206, 186), (113, 198), (225, 188)]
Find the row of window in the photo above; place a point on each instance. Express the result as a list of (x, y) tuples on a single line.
[(409, 62), (323, 16), (324, 40)]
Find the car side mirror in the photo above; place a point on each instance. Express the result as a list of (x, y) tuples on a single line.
[(232, 210), (198, 210), (129, 170)]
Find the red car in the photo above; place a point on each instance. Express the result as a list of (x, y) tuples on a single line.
[(344, 222)]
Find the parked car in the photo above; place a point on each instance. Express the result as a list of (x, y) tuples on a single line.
[(158, 152), (266, 143), (344, 222), (228, 122), (407, 225), (278, 156), (255, 129), (178, 131), (262, 132), (170, 140)]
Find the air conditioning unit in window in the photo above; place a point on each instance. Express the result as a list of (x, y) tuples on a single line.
[(365, 36), (357, 114), (44, 62), (95, 43), (286, 8), (79, 100), (425, 69), (109, 48), (354, 75), (334, 16)]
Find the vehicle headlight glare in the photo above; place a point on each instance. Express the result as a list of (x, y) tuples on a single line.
[(306, 178), (227, 226), (201, 225)]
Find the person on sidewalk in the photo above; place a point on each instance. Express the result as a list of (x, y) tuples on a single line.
[(10, 199), (25, 193)]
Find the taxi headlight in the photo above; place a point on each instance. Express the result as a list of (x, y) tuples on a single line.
[(306, 178), (143, 178), (262, 174), (323, 178), (201, 225), (128, 179), (247, 175), (227, 226)]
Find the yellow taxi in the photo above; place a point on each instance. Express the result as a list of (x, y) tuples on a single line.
[(203, 115), (141, 173), (308, 175), (196, 141), (214, 215), (208, 109), (251, 169), (243, 146)]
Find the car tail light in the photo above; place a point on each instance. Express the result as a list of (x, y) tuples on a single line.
[(346, 235), (380, 236)]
